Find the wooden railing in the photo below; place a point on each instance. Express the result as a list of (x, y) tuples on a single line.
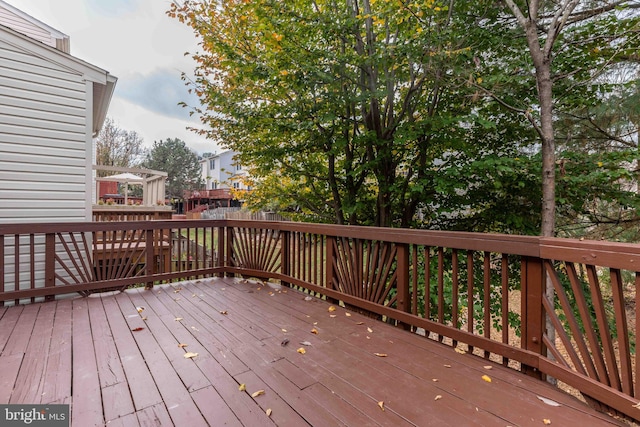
[(479, 293)]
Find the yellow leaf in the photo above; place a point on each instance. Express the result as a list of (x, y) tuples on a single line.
[(486, 378), (190, 355), (268, 412), (546, 421), (381, 405), (370, 330), (140, 309), (438, 397), (348, 314), (447, 366), (242, 387), (257, 393), (301, 350), (314, 331), (381, 354), (182, 345), (460, 351), (360, 323), (331, 309), (283, 330), (144, 318)]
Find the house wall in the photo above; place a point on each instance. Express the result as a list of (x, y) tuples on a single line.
[(225, 169), (43, 139)]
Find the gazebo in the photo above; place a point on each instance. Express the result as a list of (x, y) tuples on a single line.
[(152, 181)]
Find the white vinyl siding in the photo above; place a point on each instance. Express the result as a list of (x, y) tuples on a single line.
[(25, 27), (43, 139)]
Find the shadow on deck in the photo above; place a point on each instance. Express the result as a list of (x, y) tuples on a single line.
[(119, 366)]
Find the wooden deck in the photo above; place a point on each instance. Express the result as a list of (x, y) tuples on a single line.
[(117, 366)]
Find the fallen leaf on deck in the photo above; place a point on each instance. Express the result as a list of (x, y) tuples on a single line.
[(460, 351), (447, 366), (368, 337), (305, 343), (548, 401), (308, 298), (381, 354), (190, 355), (137, 329), (314, 331), (486, 378), (242, 387), (546, 421), (140, 309), (224, 312), (488, 367), (195, 329), (381, 405), (360, 323), (144, 318), (348, 314), (435, 380), (177, 319), (301, 350), (257, 393), (284, 342), (177, 290), (333, 315), (637, 405), (331, 308), (370, 330), (438, 397), (283, 330), (268, 412), (182, 345)]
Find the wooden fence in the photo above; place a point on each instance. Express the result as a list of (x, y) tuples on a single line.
[(480, 293)]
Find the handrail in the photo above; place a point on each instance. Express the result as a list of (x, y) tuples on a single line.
[(480, 293)]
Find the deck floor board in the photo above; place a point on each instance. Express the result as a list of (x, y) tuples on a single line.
[(120, 366)]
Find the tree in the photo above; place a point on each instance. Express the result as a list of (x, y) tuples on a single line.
[(118, 147), (406, 113), (180, 162), (342, 98)]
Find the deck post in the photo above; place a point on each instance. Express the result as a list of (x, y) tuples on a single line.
[(150, 267), (533, 319), (403, 296), (49, 263), (285, 255)]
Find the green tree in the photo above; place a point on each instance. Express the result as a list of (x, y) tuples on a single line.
[(180, 162), (401, 113)]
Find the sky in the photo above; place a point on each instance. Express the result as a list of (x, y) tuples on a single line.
[(135, 41)]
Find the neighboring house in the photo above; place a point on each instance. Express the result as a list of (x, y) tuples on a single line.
[(223, 171), (52, 104)]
